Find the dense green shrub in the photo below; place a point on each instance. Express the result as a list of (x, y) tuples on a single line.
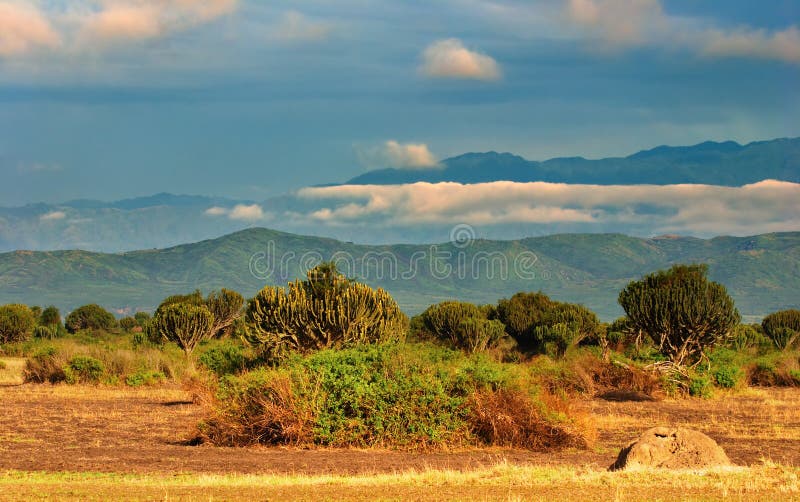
[(681, 310), (700, 386), (83, 369), (16, 323), (728, 377), (461, 325), (224, 359), (783, 328), (538, 323), (90, 317), (50, 316), (145, 377), (326, 310), (387, 395)]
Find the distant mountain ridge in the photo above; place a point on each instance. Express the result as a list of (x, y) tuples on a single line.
[(727, 163), (761, 272)]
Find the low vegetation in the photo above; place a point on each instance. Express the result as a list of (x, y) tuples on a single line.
[(328, 361)]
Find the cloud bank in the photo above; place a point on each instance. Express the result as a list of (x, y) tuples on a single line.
[(399, 155), (631, 23), (24, 28), (241, 212), (689, 209), (450, 59)]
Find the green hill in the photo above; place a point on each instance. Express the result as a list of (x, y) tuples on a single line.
[(761, 272)]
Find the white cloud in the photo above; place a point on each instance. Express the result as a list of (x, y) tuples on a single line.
[(252, 212), (629, 23), (695, 209), (295, 26), (450, 59), (217, 211), (24, 28), (783, 45), (400, 155), (96, 24), (53, 216), (244, 212)]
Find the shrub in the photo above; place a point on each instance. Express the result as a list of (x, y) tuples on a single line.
[(2, 365), (50, 316), (45, 332), (16, 323), (185, 324), (384, 395), (700, 386), (775, 369), (224, 360), (746, 336), (681, 310), (145, 377), (783, 328), (83, 369), (534, 321), (90, 317), (327, 310), (461, 325), (128, 323), (142, 318), (728, 377)]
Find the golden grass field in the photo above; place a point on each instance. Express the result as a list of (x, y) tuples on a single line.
[(110, 443)]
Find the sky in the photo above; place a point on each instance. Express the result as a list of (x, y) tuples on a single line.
[(109, 99)]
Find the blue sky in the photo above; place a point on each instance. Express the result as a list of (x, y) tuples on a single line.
[(118, 98)]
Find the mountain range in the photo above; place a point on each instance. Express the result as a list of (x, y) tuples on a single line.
[(727, 163), (165, 220), (761, 272)]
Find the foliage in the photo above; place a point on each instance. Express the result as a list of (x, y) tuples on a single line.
[(225, 306), (90, 316), (783, 328), (16, 323), (50, 316), (326, 310), (145, 377), (681, 310), (46, 359), (538, 323), (462, 325), (700, 386), (128, 323), (142, 318), (225, 359), (386, 395), (83, 369), (185, 324), (747, 336), (45, 332)]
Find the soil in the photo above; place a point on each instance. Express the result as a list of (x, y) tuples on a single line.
[(62, 428)]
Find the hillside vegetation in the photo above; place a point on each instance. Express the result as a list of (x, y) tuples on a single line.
[(762, 273)]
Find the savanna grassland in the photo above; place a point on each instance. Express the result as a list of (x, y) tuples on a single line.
[(97, 443)]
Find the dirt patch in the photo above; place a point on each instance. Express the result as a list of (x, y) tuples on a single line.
[(82, 428)]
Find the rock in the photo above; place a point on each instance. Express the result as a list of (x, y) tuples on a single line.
[(671, 448)]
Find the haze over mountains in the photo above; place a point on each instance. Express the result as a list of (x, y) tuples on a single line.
[(762, 272), (502, 196)]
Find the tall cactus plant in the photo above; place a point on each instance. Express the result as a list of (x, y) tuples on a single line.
[(324, 311)]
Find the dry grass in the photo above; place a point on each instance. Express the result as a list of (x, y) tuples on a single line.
[(502, 481), (11, 370)]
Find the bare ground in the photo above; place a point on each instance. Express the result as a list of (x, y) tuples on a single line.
[(96, 429)]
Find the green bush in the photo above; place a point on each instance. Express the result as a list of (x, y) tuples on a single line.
[(50, 316), (783, 328), (535, 321), (83, 369), (16, 323), (393, 395), (128, 323), (728, 377), (45, 332), (224, 360), (461, 325), (90, 317), (326, 310), (145, 377), (700, 386)]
